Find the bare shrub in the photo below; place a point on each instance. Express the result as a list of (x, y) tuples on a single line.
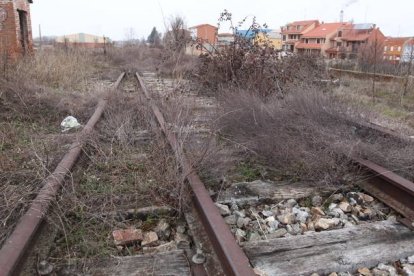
[(135, 56), (175, 62), (255, 66), (308, 135)]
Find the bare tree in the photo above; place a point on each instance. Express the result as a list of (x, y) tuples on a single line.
[(370, 55), (131, 37), (177, 37), (175, 41)]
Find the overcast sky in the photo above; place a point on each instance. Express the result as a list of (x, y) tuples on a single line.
[(116, 18)]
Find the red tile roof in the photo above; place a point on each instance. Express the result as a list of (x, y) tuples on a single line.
[(334, 49), (202, 25), (323, 30), (304, 24), (355, 36), (308, 46), (395, 41)]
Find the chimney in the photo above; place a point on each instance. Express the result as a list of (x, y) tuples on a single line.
[(341, 16)]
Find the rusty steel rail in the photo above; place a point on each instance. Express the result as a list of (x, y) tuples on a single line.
[(232, 258), (390, 188), (13, 251)]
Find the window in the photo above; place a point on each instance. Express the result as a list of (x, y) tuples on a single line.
[(385, 48), (339, 44), (392, 48), (399, 48), (306, 41), (398, 58), (318, 41), (284, 38), (340, 34)]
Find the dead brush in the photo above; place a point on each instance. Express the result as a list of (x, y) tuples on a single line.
[(117, 172), (30, 140), (135, 56), (307, 136), (68, 70), (255, 65)]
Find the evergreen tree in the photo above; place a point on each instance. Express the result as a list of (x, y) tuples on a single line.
[(154, 38)]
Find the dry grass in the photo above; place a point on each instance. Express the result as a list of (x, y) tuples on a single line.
[(386, 103), (307, 136), (126, 165), (66, 70), (33, 102)]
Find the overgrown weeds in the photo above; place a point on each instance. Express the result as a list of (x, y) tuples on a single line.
[(34, 99), (61, 69), (127, 164), (256, 65), (307, 136)]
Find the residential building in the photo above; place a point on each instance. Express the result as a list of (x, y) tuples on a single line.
[(15, 28), (206, 37), (224, 40), (407, 54), (393, 47), (204, 33), (357, 37), (293, 32), (320, 39), (272, 37), (82, 40), (250, 34)]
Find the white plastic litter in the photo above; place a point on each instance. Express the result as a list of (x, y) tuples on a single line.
[(69, 123)]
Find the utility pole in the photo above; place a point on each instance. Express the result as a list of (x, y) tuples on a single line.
[(375, 66), (104, 39), (40, 37)]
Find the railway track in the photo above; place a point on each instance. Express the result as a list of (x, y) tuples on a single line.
[(214, 226), (276, 256)]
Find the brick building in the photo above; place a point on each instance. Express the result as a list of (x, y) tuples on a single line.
[(293, 32), (205, 35), (15, 28), (319, 40), (353, 40), (393, 48)]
